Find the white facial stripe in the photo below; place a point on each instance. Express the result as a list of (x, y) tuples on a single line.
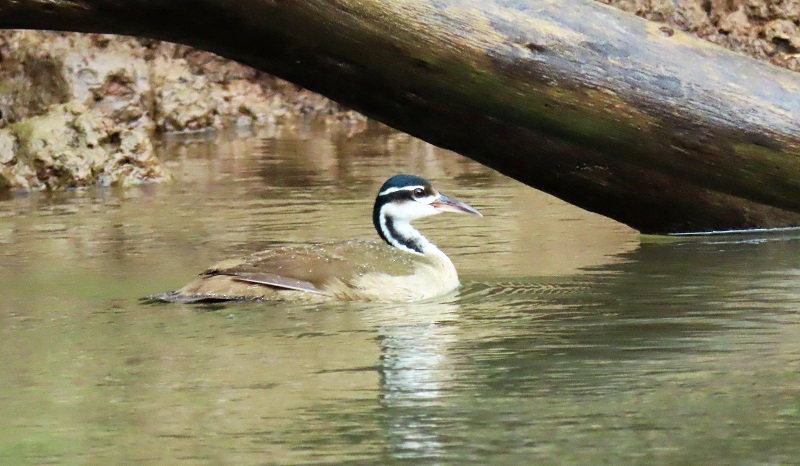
[(408, 211), (403, 188)]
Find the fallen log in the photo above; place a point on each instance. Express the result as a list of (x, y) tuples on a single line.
[(621, 116)]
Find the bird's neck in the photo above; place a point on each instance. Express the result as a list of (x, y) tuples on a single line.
[(400, 234)]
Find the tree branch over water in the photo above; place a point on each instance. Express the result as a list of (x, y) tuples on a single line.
[(612, 113)]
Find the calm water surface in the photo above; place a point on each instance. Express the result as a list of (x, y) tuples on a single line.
[(573, 341)]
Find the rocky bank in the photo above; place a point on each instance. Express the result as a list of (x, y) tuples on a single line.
[(765, 29), (74, 146), (81, 109)]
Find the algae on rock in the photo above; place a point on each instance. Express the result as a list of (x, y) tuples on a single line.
[(73, 146)]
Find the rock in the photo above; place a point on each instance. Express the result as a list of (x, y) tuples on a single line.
[(688, 15), (183, 99), (113, 80), (763, 29), (29, 83), (132, 163), (8, 146), (784, 34), (74, 146), (756, 8), (735, 23), (215, 68), (250, 105), (42, 69), (142, 83), (787, 9)]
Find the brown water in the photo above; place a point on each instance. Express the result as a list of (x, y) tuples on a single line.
[(573, 341)]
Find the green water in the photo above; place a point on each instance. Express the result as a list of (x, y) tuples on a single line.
[(573, 341)]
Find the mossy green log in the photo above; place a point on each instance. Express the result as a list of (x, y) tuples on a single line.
[(624, 117)]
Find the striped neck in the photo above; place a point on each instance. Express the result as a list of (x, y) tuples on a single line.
[(398, 232)]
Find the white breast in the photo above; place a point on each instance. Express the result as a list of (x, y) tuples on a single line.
[(431, 278)]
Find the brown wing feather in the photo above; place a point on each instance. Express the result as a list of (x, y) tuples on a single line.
[(310, 268), (278, 281)]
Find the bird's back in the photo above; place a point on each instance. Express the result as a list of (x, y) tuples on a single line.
[(362, 270), (319, 263)]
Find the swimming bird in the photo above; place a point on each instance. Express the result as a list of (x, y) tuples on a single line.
[(404, 267)]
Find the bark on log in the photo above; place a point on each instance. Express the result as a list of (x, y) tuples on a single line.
[(612, 113)]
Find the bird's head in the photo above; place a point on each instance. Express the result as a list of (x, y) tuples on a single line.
[(405, 198)]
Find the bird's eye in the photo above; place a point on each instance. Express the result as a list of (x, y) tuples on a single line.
[(418, 193)]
